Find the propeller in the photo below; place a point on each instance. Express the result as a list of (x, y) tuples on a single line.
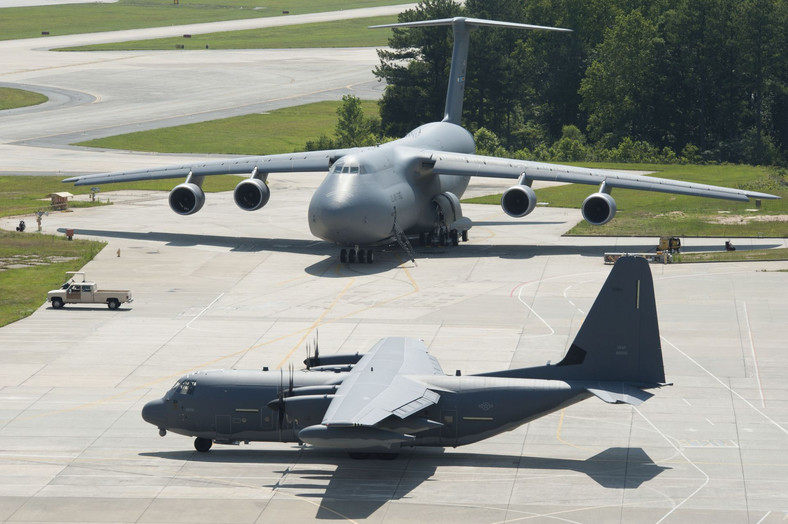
[(281, 395)]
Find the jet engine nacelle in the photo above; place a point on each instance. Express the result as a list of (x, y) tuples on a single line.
[(187, 198), (518, 201), (598, 209), (251, 194)]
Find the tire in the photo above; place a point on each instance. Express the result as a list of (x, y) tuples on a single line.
[(358, 455), (113, 303), (57, 303), (202, 444)]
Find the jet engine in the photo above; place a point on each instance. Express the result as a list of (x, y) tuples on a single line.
[(187, 198), (251, 194), (518, 201), (598, 209)]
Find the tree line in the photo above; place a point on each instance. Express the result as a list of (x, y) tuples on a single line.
[(636, 80)]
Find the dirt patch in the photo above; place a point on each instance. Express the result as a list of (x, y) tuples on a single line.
[(746, 219), (20, 261)]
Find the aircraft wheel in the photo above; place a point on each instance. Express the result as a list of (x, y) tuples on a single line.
[(343, 256), (57, 303), (202, 444), (386, 456), (362, 256), (423, 239), (455, 237), (465, 236), (351, 256), (358, 455), (442, 238), (370, 256)]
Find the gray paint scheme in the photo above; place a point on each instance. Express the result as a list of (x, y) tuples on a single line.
[(372, 195), (397, 395)]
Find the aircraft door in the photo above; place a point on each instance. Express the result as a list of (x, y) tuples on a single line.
[(223, 426), (449, 428)]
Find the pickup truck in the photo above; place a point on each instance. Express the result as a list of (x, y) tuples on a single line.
[(87, 293)]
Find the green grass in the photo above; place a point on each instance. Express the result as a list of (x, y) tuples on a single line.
[(23, 290), (733, 256), (30, 22), (342, 33), (644, 213), (12, 98), (21, 195), (281, 131)]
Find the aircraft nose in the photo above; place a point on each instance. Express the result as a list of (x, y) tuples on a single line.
[(154, 412), (351, 216)]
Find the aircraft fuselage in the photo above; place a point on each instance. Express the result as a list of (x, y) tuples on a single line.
[(236, 406), (365, 192)]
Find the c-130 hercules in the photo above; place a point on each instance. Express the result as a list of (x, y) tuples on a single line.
[(397, 395), (376, 196)]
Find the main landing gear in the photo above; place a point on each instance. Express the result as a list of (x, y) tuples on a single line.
[(443, 236), (202, 444), (356, 254)]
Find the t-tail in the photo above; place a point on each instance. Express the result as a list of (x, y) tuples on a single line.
[(617, 352), (462, 27)]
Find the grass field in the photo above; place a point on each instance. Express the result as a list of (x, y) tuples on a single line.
[(12, 98), (24, 195), (643, 213), (23, 290), (30, 22), (281, 131), (343, 33)]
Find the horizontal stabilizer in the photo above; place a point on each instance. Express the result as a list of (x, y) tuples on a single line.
[(618, 393)]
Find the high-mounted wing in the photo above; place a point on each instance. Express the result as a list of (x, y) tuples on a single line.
[(381, 385), (311, 161), (486, 166)]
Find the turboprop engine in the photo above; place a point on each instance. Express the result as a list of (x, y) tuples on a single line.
[(186, 198), (598, 209), (251, 194), (518, 201)]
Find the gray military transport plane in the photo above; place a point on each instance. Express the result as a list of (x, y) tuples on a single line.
[(376, 196), (397, 395)]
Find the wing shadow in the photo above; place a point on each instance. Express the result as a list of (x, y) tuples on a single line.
[(356, 489)]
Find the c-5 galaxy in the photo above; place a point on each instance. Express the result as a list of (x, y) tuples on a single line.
[(374, 196), (397, 395)]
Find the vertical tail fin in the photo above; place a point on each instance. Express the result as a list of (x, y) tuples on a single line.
[(619, 339), (459, 57)]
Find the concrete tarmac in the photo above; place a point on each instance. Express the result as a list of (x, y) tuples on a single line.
[(228, 289)]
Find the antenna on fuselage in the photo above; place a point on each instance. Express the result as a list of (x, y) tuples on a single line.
[(462, 27)]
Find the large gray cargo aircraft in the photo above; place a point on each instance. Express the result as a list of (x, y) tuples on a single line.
[(397, 395), (374, 196)]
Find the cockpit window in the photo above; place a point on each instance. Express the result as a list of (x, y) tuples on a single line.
[(347, 166), (185, 387)]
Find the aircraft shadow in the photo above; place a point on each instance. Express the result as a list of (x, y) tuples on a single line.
[(385, 258), (355, 489)]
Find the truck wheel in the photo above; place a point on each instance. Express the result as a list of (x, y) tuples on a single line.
[(57, 303), (113, 303)]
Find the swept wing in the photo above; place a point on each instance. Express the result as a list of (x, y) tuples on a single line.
[(486, 166)]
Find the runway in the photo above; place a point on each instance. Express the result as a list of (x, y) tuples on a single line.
[(229, 289)]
